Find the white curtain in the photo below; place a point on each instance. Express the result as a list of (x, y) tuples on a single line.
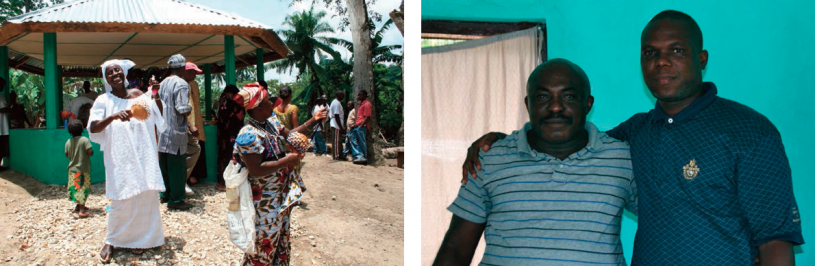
[(468, 89)]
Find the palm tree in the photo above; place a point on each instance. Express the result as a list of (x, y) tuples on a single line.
[(380, 53), (307, 42)]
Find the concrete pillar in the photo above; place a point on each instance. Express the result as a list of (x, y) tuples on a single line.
[(52, 97), (208, 91), (229, 59), (259, 62), (4, 72)]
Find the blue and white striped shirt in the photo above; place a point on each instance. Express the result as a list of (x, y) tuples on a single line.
[(540, 210)]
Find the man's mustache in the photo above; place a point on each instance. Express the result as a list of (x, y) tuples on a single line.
[(559, 116)]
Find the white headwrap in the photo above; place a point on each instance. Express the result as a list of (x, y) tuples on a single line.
[(123, 63)]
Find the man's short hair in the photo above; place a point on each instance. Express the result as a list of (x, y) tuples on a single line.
[(338, 93), (263, 84), (364, 92), (577, 70), (694, 30), (75, 128)]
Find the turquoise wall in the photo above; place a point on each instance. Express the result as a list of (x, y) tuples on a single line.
[(761, 55), (40, 153)]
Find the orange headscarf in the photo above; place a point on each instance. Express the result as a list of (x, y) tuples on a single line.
[(250, 95)]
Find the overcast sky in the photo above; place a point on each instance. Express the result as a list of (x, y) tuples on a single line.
[(273, 12)]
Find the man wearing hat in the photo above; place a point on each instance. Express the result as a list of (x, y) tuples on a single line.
[(195, 124), (172, 143)]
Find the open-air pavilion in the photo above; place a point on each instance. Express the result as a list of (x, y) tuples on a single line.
[(74, 38)]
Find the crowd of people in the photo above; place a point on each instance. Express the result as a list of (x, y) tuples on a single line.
[(252, 129)]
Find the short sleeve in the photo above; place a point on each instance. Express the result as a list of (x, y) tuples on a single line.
[(621, 132), (764, 186), (182, 97), (365, 110), (472, 203), (275, 122), (68, 146), (3, 103), (248, 142), (86, 144)]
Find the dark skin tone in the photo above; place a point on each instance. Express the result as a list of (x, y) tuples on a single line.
[(361, 97), (285, 95), (189, 75), (672, 69), (340, 97), (671, 65), (13, 98), (557, 101), (116, 78), (254, 162)]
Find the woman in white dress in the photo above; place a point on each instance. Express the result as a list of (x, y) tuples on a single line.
[(132, 174)]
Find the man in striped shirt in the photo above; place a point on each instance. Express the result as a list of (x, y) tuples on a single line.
[(551, 193)]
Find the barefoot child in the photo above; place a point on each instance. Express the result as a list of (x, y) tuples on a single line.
[(78, 150)]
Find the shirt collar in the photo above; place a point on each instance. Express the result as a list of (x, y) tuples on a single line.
[(523, 143), (694, 108)]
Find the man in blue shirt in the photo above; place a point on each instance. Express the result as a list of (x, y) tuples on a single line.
[(715, 182)]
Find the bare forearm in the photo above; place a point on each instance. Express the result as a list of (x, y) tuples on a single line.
[(364, 120), (99, 125), (339, 121), (776, 253), (459, 243), (305, 127), (269, 167)]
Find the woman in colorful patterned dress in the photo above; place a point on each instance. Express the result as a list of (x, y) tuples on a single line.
[(275, 183)]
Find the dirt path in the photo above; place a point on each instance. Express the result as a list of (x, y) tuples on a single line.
[(352, 215)]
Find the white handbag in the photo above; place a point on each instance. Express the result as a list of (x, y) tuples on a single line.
[(240, 214)]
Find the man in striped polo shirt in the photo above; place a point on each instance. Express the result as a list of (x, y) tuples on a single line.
[(551, 193)]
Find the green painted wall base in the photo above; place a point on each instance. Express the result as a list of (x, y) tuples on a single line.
[(40, 153), (211, 147)]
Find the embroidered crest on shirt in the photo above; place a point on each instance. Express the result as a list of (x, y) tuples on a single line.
[(690, 170)]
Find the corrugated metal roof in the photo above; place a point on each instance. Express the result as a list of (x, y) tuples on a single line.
[(136, 11)]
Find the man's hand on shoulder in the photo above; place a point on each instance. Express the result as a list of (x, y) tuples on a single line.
[(471, 163)]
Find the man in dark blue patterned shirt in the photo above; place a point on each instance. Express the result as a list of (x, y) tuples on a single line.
[(714, 181)]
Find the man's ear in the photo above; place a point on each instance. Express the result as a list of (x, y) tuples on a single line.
[(589, 103), (526, 102), (703, 59)]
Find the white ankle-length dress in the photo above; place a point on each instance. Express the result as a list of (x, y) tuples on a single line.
[(132, 174)]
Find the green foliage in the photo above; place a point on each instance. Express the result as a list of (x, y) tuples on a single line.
[(30, 89), (380, 53), (12, 8), (306, 39), (390, 98)]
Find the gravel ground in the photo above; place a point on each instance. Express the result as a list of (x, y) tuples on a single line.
[(44, 233)]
